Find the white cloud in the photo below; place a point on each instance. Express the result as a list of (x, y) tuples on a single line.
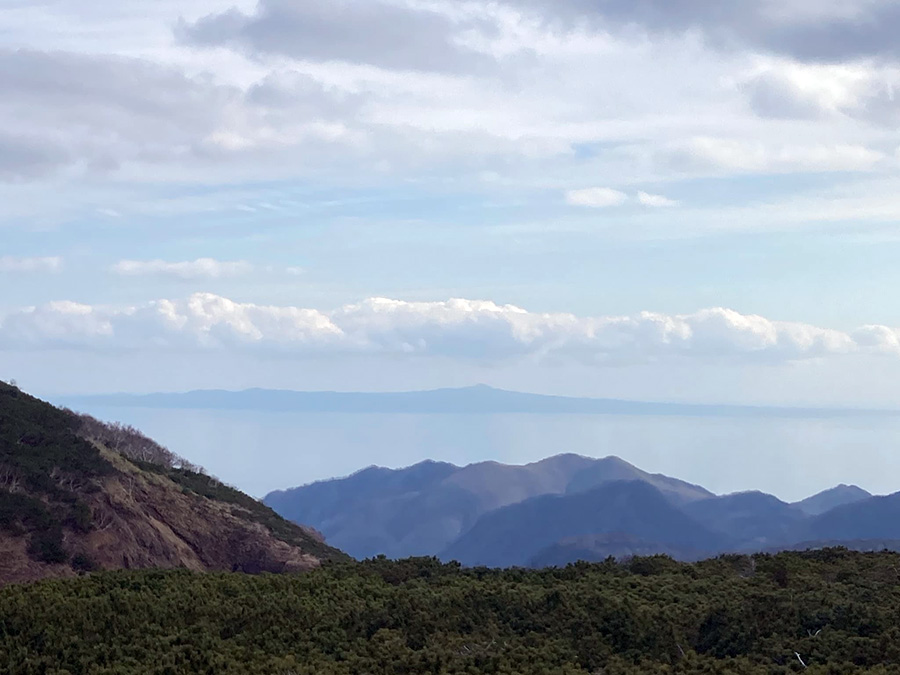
[(713, 154), (655, 201), (463, 329), (596, 197), (601, 197), (202, 268), (47, 264)]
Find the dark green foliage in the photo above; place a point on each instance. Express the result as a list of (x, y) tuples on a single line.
[(80, 517), (47, 545), (39, 447), (20, 513), (81, 562), (652, 615), (43, 466), (649, 565)]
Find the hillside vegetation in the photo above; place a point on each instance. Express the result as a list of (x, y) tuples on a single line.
[(737, 614), (77, 494)]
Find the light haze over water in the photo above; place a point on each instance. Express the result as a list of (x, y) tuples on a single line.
[(791, 458)]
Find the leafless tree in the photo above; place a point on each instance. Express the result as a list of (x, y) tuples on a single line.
[(65, 480), (130, 442), (10, 478), (102, 519)]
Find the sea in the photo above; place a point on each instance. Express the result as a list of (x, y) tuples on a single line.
[(791, 458)]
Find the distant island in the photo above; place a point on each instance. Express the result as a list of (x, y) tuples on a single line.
[(478, 399)]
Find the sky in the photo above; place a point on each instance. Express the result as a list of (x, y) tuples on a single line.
[(647, 199)]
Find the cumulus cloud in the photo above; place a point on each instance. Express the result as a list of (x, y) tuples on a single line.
[(202, 268), (45, 264), (793, 90), (457, 328), (596, 197)]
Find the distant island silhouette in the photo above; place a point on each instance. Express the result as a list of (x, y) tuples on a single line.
[(477, 399)]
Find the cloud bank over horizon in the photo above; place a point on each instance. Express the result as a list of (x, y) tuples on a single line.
[(457, 329)]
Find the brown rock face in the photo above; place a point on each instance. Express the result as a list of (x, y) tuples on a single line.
[(68, 505), (142, 520)]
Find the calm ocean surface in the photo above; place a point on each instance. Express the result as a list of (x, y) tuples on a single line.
[(791, 458)]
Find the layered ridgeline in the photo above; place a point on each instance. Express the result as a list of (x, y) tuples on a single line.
[(423, 509), (77, 494), (567, 508)]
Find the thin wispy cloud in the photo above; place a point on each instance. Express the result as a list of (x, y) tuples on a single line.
[(597, 197), (601, 198), (655, 201), (201, 268), (13, 264)]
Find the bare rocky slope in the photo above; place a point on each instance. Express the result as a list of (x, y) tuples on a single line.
[(69, 503)]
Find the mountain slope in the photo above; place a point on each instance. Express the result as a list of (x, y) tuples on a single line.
[(377, 510), (747, 519), (873, 518), (67, 504), (829, 499), (515, 534), (611, 469), (420, 510)]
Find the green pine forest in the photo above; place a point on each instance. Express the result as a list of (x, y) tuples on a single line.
[(839, 610)]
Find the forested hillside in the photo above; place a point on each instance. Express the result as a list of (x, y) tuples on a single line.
[(834, 610), (77, 494)]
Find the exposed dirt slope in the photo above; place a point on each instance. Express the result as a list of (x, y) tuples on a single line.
[(68, 505)]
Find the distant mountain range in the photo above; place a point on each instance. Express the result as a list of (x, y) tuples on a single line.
[(479, 399), (423, 509), (567, 508)]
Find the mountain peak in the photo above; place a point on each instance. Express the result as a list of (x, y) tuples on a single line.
[(828, 499)]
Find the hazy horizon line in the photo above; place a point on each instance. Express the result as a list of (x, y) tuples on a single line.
[(505, 401)]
